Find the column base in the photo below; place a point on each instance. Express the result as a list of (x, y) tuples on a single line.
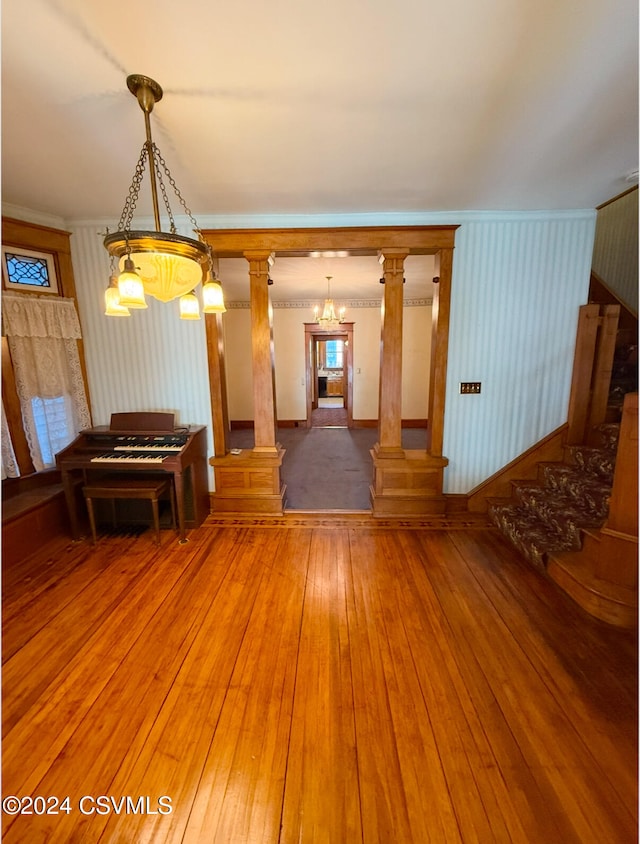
[(248, 482), (407, 484)]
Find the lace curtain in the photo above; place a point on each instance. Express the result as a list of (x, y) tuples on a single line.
[(9, 462), (43, 339)]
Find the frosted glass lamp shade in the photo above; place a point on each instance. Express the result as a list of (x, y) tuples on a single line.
[(166, 276), (212, 297), (130, 287), (189, 306), (112, 306)]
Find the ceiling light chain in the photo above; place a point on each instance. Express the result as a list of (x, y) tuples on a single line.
[(134, 189), (161, 163), (166, 265)]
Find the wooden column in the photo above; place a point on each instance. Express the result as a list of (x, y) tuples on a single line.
[(407, 483), (264, 402), (217, 383), (249, 481), (441, 311), (390, 407)]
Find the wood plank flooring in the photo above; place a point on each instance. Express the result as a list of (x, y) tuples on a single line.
[(330, 680)]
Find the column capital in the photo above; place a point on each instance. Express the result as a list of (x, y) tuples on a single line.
[(394, 252), (259, 255), (392, 261), (260, 262)]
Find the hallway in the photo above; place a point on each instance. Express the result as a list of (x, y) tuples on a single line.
[(327, 468)]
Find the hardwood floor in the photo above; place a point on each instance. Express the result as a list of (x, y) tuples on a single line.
[(312, 680)]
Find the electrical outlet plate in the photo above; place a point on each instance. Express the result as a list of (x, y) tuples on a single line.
[(467, 387)]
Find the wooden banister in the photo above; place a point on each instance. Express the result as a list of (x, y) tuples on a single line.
[(592, 365), (623, 505)]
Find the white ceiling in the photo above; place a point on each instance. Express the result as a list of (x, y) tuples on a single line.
[(304, 280), (301, 107)]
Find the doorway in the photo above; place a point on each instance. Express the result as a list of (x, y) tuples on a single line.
[(329, 376)]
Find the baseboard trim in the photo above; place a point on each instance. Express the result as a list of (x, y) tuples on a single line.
[(524, 467), (247, 424)]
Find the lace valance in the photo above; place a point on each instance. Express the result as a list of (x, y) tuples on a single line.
[(28, 316)]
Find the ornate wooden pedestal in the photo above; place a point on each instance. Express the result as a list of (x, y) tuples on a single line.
[(248, 482), (406, 483)]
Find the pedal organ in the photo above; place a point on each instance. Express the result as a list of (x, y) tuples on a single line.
[(141, 442)]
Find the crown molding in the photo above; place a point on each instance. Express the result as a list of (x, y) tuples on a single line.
[(352, 305)]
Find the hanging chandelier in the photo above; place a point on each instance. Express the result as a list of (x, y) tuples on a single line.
[(165, 265), (329, 319)]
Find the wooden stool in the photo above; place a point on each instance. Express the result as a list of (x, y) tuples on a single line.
[(121, 486)]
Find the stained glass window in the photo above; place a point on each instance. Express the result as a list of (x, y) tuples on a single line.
[(27, 270), (23, 269)]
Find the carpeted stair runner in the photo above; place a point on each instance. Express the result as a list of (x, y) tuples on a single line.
[(550, 514)]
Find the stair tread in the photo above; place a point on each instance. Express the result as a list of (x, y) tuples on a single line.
[(547, 503), (549, 515), (528, 526), (581, 570)]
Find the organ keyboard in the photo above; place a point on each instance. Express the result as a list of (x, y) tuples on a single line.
[(119, 456), (137, 442)]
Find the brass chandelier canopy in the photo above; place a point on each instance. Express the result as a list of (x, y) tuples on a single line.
[(165, 265)]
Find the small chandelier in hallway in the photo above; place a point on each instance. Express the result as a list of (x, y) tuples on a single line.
[(329, 319), (165, 265)]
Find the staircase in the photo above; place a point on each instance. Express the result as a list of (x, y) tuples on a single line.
[(624, 372), (550, 515)]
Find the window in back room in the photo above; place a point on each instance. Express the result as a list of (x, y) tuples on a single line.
[(334, 354)]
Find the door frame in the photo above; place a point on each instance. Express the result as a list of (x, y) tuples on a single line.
[(312, 331), (363, 240)]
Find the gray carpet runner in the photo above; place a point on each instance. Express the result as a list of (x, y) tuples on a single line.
[(328, 468)]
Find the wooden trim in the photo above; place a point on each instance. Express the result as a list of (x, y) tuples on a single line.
[(623, 505), (456, 502), (425, 240), (586, 338), (13, 413), (616, 198), (20, 234), (264, 403), (574, 573), (33, 528), (257, 244), (248, 482), (312, 331), (602, 367), (441, 311), (601, 293), (390, 388), (244, 424), (217, 383), (524, 467)]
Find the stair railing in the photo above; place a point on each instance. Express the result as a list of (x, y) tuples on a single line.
[(592, 367), (617, 560)]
